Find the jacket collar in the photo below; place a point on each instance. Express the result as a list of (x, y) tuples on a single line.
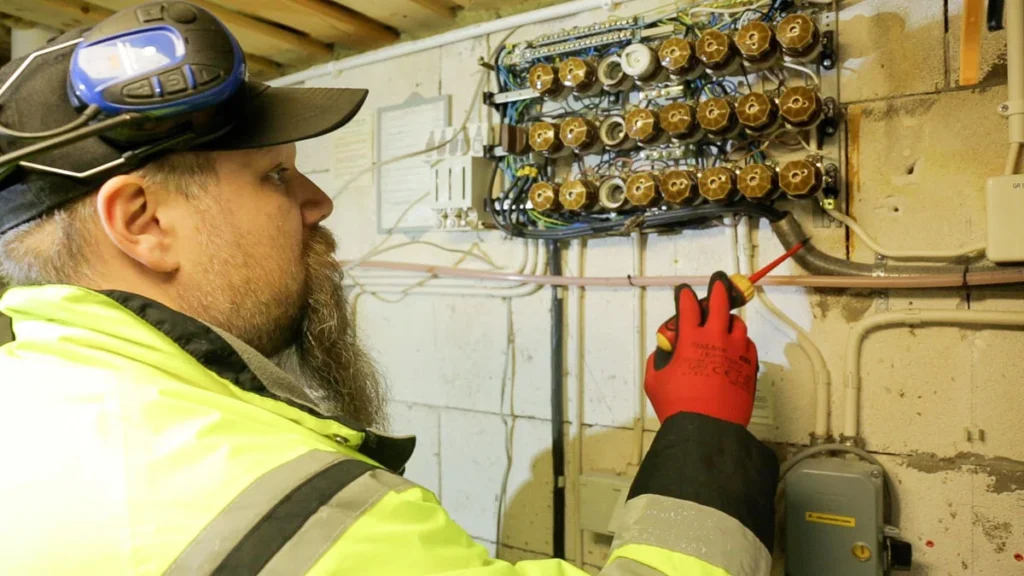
[(217, 351)]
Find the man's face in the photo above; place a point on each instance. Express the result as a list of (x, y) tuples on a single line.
[(259, 266)]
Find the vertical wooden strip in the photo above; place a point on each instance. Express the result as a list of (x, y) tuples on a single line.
[(853, 119), (970, 42)]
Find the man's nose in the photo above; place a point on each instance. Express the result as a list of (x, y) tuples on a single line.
[(316, 204)]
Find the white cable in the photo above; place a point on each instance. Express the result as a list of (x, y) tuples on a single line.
[(476, 99), (731, 224), (822, 376), (508, 376), (639, 350), (476, 288), (700, 9), (788, 466), (807, 145), (477, 94), (860, 330), (901, 254), (1012, 158), (814, 77), (374, 277)]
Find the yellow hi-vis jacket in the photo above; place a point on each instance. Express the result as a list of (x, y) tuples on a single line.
[(137, 440)]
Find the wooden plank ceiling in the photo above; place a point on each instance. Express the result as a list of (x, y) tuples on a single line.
[(278, 36)]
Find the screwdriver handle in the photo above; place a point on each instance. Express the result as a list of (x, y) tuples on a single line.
[(741, 291)]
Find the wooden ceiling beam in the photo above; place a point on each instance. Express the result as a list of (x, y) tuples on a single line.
[(261, 69), (437, 7), (319, 18), (267, 40), (402, 15), (255, 37), (59, 14)]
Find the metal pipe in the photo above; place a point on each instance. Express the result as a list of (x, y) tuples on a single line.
[(453, 37), (1015, 68), (861, 329), (639, 350), (790, 233)]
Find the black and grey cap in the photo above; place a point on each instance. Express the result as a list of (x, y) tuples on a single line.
[(38, 101)]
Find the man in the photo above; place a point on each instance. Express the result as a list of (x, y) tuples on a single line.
[(185, 394)]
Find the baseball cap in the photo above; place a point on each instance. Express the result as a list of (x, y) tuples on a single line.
[(38, 101)]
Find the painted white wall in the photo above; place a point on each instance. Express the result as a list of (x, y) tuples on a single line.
[(446, 356)]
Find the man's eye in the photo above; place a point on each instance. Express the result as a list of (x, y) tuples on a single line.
[(279, 176)]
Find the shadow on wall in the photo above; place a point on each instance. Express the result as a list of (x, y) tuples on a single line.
[(526, 531)]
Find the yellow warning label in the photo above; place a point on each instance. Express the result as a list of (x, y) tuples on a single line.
[(846, 521)]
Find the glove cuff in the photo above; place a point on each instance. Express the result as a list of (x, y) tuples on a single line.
[(716, 464)]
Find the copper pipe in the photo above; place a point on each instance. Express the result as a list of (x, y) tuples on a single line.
[(947, 280)]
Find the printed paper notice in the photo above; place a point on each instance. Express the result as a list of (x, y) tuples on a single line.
[(404, 130), (764, 412), (352, 164)]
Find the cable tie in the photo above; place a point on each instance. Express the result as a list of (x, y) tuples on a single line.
[(629, 278)]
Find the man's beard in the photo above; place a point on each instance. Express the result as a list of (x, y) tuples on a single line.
[(327, 358), (304, 327)]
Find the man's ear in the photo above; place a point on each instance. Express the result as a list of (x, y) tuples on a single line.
[(131, 217)]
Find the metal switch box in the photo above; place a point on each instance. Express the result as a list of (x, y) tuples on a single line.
[(834, 518)]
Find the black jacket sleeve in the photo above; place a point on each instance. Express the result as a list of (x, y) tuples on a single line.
[(716, 464)]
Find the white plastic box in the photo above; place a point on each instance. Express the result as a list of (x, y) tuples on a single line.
[(1005, 215)]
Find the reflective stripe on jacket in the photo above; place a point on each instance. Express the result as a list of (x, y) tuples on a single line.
[(138, 440)]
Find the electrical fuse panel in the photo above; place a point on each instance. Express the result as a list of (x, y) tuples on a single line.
[(667, 118)]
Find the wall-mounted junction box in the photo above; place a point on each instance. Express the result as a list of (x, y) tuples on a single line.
[(459, 178), (1005, 210), (834, 521)]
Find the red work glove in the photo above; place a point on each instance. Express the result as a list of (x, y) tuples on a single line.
[(712, 369)]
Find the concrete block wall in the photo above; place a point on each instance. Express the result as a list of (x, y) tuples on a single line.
[(920, 149)]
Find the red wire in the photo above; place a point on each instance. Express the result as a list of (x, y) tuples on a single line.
[(775, 263)]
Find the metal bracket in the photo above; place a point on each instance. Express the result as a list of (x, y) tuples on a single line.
[(881, 302), (822, 219), (829, 125), (828, 50), (823, 439), (855, 441), (514, 96), (975, 435), (880, 262), (1011, 107)]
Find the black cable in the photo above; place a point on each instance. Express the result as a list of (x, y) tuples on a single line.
[(90, 113), (67, 139), (668, 219), (557, 405)]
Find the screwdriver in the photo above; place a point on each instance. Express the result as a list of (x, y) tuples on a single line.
[(741, 292)]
